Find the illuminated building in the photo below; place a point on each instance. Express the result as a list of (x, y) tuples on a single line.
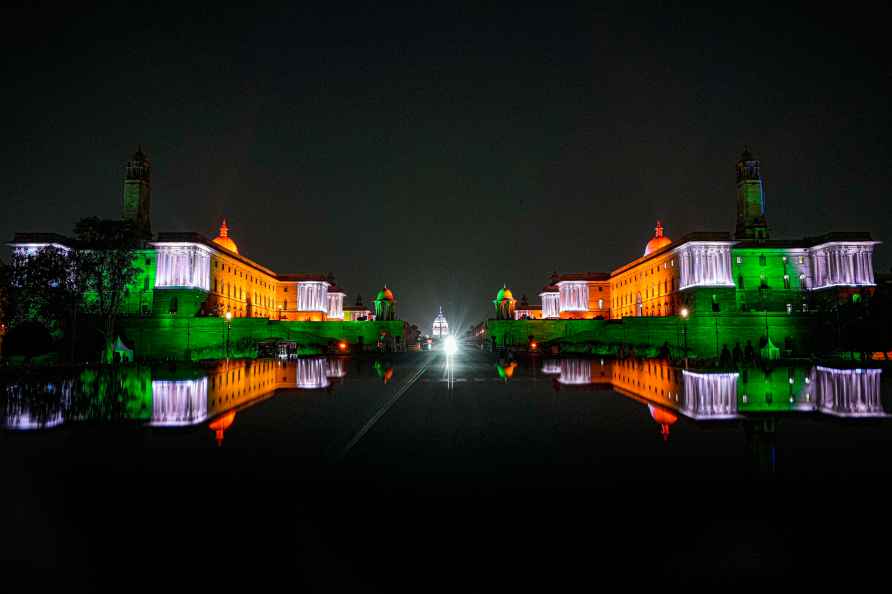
[(551, 300), (524, 311), (184, 274), (440, 326), (504, 304), (357, 312), (712, 272), (385, 305)]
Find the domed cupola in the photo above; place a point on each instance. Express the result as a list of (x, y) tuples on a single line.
[(223, 239), (504, 304), (385, 305), (658, 241)]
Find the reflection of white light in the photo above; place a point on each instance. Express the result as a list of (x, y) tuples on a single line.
[(451, 345), (179, 402)]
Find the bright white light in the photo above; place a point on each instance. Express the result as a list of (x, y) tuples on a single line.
[(450, 345)]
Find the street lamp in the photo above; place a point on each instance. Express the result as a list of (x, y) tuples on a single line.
[(228, 328), (684, 332)]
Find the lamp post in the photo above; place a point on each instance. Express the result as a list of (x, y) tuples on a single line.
[(684, 333), (228, 328)]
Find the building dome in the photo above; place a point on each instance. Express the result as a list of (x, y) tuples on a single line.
[(658, 241), (385, 294), (223, 239), (664, 417), (504, 293)]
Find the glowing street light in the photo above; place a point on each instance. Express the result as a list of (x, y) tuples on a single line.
[(228, 316), (450, 345), (684, 331)]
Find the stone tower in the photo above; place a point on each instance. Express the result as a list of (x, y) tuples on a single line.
[(138, 193), (751, 222)]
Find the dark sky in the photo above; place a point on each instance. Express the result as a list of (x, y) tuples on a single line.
[(446, 151)]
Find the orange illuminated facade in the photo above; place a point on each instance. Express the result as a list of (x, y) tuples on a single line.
[(189, 265), (239, 284), (649, 285), (584, 296)]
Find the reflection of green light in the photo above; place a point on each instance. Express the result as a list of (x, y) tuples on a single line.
[(501, 371), (775, 390)]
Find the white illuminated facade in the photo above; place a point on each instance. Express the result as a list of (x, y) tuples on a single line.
[(336, 368), (573, 296), (335, 305), (183, 265), (312, 373), (313, 296), (551, 304), (848, 392), (842, 264), (180, 402), (575, 372), (704, 264), (551, 366), (440, 326), (709, 395)]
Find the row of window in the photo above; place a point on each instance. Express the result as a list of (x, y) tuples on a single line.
[(763, 260)]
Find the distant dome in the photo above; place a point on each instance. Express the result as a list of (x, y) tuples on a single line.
[(504, 293), (658, 241), (223, 239), (385, 294)]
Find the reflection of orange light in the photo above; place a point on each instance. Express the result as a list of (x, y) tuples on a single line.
[(509, 370), (388, 374), (664, 417), (221, 424), (342, 346)]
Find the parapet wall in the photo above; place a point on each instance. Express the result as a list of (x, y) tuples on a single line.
[(206, 338), (797, 333)]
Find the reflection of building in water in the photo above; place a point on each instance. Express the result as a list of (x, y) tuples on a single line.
[(582, 372), (311, 373), (36, 406), (665, 418), (575, 372), (179, 402), (709, 395), (721, 396), (654, 380), (848, 392), (232, 385), (336, 368), (551, 366), (221, 424)]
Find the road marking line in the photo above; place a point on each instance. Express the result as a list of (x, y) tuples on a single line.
[(381, 412)]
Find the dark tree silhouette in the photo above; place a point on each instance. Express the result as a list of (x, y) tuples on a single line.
[(105, 262)]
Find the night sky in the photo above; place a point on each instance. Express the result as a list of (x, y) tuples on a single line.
[(446, 151)]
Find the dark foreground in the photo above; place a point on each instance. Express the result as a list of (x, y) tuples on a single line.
[(478, 477)]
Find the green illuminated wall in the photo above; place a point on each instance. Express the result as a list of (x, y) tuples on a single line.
[(185, 338), (604, 336), (782, 389), (759, 275)]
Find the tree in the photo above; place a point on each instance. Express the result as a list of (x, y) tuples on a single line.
[(41, 286), (105, 263)]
